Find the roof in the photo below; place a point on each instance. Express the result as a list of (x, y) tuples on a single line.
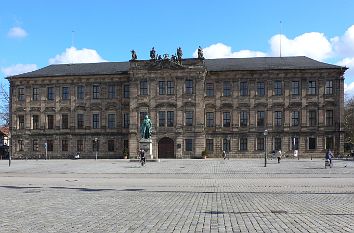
[(221, 64)]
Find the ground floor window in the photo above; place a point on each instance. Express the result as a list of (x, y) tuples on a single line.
[(64, 145), (189, 144), (329, 142), (35, 145), (20, 145), (277, 143), (294, 143), (312, 143), (226, 144), (50, 145), (243, 144), (111, 145), (210, 145), (80, 145), (260, 143)]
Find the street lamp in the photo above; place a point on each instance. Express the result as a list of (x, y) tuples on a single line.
[(265, 147), (96, 147)]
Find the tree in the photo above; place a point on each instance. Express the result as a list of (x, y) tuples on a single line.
[(4, 103), (349, 120)]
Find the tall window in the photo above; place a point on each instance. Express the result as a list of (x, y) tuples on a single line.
[(170, 118), (20, 145), (64, 145), (209, 119), (312, 118), (110, 145), (21, 122), (312, 143), (80, 92), (189, 118), (226, 144), (95, 120), (21, 94), (162, 118), (50, 121), (278, 118), (80, 121), (260, 143), (64, 121), (277, 143), (226, 88), (312, 88), (35, 93), (95, 91), (170, 88), (111, 121), (188, 144), (278, 88), (162, 88), (35, 122), (243, 88), (50, 145), (243, 118), (329, 142), (295, 88), (126, 120), (210, 89), (226, 119), (295, 118), (126, 91), (329, 117), (50, 93), (329, 87), (189, 86), (65, 93), (80, 145), (260, 118), (243, 143), (260, 89), (35, 146), (95, 145), (144, 87), (294, 143), (210, 145), (111, 91)]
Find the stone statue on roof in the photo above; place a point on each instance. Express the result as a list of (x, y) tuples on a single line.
[(179, 54), (134, 56), (200, 53), (152, 54)]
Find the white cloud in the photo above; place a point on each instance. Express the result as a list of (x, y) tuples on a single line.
[(312, 44), (17, 32), (220, 50), (73, 55), (18, 69), (344, 45), (349, 89)]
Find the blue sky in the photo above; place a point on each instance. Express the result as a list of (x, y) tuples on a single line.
[(34, 34)]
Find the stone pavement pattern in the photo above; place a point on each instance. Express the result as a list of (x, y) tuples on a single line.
[(176, 196)]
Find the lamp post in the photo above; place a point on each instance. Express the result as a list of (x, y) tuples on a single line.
[(96, 147), (265, 147)]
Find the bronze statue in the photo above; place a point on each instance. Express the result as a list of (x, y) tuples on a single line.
[(145, 128), (153, 54), (200, 53), (134, 56)]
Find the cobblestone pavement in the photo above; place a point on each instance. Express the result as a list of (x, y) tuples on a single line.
[(176, 196)]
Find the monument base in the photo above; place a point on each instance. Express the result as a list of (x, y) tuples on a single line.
[(146, 145)]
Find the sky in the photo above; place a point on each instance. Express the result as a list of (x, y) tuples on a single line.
[(38, 33)]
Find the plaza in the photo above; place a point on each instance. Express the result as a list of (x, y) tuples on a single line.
[(205, 195)]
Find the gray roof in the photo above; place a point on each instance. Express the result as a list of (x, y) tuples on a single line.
[(222, 64)]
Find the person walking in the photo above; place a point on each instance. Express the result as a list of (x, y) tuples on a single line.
[(278, 155), (224, 154)]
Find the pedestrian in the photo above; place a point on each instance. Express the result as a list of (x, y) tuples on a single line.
[(278, 155), (224, 154), (329, 156)]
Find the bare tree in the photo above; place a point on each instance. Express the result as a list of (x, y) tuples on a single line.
[(349, 120), (4, 105)]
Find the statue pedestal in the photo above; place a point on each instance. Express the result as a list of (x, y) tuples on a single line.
[(146, 145)]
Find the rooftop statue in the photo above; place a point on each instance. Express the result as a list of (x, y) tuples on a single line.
[(179, 54), (145, 128), (200, 53), (134, 56), (152, 54)]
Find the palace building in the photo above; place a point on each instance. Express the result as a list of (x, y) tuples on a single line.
[(194, 105)]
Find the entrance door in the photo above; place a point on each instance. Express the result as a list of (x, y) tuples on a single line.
[(166, 149)]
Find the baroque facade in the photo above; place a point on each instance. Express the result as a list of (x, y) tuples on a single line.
[(194, 105)]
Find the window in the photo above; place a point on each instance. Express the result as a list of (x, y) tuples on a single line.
[(35, 146), (226, 119), (226, 88), (189, 144), (329, 117), (162, 88), (189, 86), (80, 92), (50, 93), (278, 118), (95, 145), (277, 143), (170, 118), (294, 143), (226, 144), (64, 145), (189, 118), (312, 118), (20, 145), (210, 144), (50, 121), (111, 121), (243, 118), (143, 87), (260, 89), (126, 144), (80, 121), (111, 91), (95, 91), (80, 145), (277, 88), (329, 87), (110, 145), (126, 120), (170, 88), (243, 89), (35, 122), (243, 143), (312, 88), (260, 118), (162, 118), (95, 120), (295, 118), (50, 146), (260, 143), (210, 89), (126, 91), (65, 93), (329, 142), (21, 94), (209, 119), (35, 93), (295, 88), (64, 121), (21, 122), (312, 143)]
